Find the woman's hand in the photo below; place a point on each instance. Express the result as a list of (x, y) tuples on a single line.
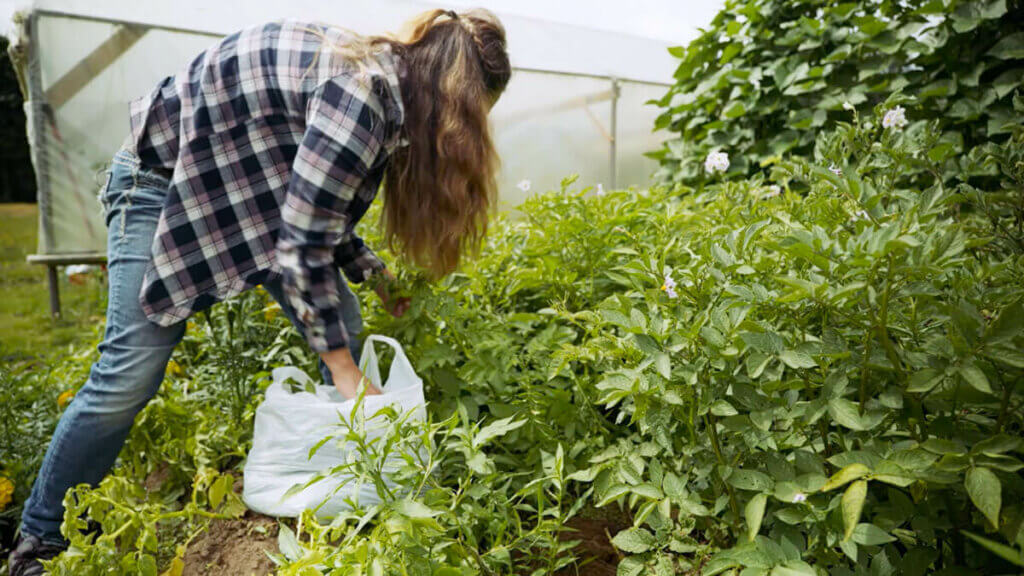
[(386, 290), (346, 373)]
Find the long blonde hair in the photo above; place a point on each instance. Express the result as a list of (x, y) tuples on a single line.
[(440, 189)]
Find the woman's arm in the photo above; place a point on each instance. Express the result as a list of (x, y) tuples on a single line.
[(344, 134)]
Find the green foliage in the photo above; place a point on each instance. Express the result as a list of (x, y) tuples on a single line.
[(28, 331), (834, 388), (767, 75), (827, 380), (177, 469)]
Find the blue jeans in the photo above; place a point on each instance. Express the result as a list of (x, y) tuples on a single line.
[(133, 355)]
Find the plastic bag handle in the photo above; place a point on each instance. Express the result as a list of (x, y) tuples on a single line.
[(368, 363)]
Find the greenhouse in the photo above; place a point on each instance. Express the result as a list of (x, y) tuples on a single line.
[(544, 289), (576, 104)]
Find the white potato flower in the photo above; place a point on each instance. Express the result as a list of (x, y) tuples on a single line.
[(835, 170), (799, 497), (772, 191), (524, 185), (895, 118), (669, 287), (716, 162)]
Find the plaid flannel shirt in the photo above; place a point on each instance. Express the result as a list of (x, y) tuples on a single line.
[(277, 147)]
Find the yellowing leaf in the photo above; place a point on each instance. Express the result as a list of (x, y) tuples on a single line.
[(846, 475), (177, 564), (853, 504), (754, 513)]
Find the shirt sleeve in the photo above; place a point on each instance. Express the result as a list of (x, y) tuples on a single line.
[(344, 134), (356, 259)]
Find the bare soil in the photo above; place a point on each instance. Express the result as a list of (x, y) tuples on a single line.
[(233, 548), (597, 556), (236, 547)]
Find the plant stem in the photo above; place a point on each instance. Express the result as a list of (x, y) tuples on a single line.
[(864, 370), (709, 420), (883, 324), (1005, 404)]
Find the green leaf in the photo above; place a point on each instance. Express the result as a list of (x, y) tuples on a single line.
[(846, 475), (1010, 322), (985, 491), (870, 25), (754, 513), (751, 480), (218, 490), (995, 445), (713, 337), (147, 565), (973, 375), (663, 364), (288, 544), (1005, 355), (1011, 47), (794, 568), (847, 413), (736, 110), (723, 408), (853, 504), (923, 381), (870, 535), (849, 548), (968, 15), (634, 540), (796, 359), (767, 342), (496, 429), (1001, 550), (414, 509), (1008, 81)]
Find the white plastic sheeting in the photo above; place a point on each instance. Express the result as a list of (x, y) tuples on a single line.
[(558, 116)]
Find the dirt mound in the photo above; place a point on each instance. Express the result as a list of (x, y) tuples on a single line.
[(236, 547), (233, 548), (597, 555)]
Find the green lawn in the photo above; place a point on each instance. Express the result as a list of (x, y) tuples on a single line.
[(26, 329)]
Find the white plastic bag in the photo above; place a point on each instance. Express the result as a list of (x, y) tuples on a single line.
[(288, 424)]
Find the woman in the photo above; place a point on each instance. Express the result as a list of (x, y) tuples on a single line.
[(252, 166)]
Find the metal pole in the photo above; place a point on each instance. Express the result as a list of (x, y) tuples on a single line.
[(52, 280), (36, 103), (614, 131)]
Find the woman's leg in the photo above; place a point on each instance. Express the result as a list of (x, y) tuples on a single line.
[(133, 356), (350, 313)]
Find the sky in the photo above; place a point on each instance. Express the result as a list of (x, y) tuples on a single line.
[(7, 8), (673, 21)]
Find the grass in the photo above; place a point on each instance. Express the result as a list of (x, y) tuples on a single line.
[(27, 331)]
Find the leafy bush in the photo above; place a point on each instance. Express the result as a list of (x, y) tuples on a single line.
[(817, 373), (767, 75)]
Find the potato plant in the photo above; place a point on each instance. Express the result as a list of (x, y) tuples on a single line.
[(816, 373), (766, 76), (813, 372)]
